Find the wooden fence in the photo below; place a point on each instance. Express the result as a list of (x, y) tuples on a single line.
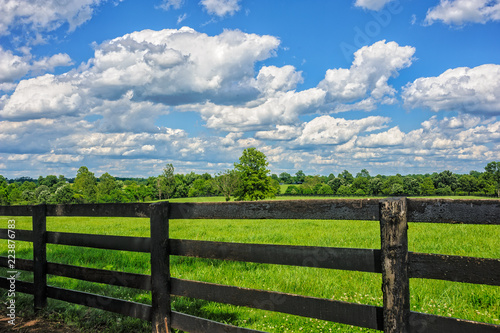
[(393, 261)]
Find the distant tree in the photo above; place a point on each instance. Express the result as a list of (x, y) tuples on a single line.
[(255, 183), (108, 189), (106, 185), (334, 184), (325, 190), (14, 194), (427, 187), (198, 188), (86, 184), (3, 181), (227, 183), (312, 183), (64, 195), (300, 176), (397, 189), (361, 183), (344, 190), (444, 179), (292, 189), (363, 173), (411, 186), (468, 183), (444, 190), (275, 186), (182, 188), (375, 186), (493, 169), (346, 177), (166, 182), (4, 197), (28, 197), (359, 193), (44, 196), (285, 178)]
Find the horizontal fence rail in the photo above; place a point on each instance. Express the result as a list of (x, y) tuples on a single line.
[(419, 210), (418, 265)]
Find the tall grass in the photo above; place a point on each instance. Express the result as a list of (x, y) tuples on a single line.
[(460, 300)]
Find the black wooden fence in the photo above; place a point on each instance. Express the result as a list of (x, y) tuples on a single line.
[(393, 261)]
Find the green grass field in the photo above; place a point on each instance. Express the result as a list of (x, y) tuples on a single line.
[(460, 300)]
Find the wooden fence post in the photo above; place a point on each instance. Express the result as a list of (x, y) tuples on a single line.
[(160, 268), (40, 255), (394, 256)]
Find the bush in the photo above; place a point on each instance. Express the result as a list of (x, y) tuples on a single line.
[(325, 190), (444, 191), (292, 189), (359, 192), (344, 190)]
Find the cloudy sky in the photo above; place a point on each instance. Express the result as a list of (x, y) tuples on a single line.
[(393, 86)]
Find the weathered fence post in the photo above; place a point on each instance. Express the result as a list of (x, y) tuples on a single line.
[(160, 268), (39, 213), (394, 253)]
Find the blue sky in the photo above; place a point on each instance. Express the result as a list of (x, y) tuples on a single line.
[(392, 86)]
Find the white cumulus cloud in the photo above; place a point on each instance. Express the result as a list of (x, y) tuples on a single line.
[(392, 137), (469, 90), (459, 12), (221, 7), (41, 97), (368, 76), (45, 15), (326, 130), (14, 67)]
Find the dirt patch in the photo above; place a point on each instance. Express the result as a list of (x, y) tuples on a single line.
[(32, 325)]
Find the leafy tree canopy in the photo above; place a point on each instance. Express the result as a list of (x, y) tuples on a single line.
[(255, 183)]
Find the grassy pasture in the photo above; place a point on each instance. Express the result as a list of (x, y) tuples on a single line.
[(467, 301)]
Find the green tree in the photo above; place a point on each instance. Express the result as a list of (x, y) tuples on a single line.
[(446, 179), (292, 189), (397, 189), (363, 173), (3, 181), (468, 183), (198, 188), (255, 183), (346, 177), (361, 183), (375, 186), (334, 184), (300, 176), (4, 197), (493, 170), (427, 187), (166, 182), (325, 190), (106, 185), (411, 186), (86, 184), (14, 193), (312, 183), (344, 190), (227, 183), (64, 195), (285, 178)]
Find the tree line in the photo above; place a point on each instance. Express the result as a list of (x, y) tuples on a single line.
[(250, 179)]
